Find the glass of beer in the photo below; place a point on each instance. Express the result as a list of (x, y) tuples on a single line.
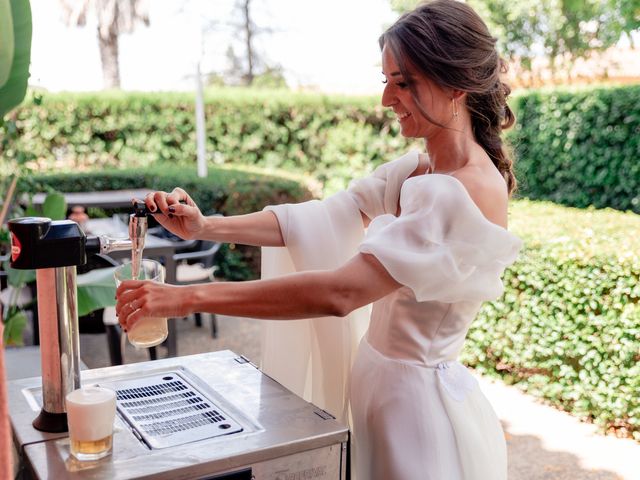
[(90, 414), (150, 331)]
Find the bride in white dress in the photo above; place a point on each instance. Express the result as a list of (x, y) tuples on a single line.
[(423, 239)]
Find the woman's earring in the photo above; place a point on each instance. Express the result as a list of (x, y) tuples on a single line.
[(454, 105)]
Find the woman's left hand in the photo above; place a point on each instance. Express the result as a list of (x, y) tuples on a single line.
[(137, 299)]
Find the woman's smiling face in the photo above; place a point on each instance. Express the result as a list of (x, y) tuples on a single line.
[(397, 95)]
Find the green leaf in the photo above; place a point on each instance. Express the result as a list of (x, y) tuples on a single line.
[(7, 43), (18, 278), (31, 212), (13, 90), (54, 206), (13, 328), (96, 290)]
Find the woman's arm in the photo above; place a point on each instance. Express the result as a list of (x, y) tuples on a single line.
[(181, 215), (309, 294), (177, 212), (260, 229)]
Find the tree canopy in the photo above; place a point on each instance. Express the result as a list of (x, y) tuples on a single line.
[(560, 31)]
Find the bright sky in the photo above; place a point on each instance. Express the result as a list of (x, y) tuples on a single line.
[(331, 44)]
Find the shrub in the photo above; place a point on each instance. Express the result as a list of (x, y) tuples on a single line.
[(332, 138), (576, 147), (567, 328), (580, 147)]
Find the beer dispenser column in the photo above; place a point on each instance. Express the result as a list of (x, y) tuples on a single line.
[(53, 249)]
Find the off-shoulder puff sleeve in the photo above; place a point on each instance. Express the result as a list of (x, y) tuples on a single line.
[(441, 246)]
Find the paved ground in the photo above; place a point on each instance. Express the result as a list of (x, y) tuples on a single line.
[(544, 443)]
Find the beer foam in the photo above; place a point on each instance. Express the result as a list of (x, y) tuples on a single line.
[(90, 413)]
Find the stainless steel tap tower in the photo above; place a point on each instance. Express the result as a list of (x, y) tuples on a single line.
[(54, 249)]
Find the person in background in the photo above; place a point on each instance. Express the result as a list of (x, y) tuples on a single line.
[(79, 215), (424, 239)]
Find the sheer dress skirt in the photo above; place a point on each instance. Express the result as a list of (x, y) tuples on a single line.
[(414, 421)]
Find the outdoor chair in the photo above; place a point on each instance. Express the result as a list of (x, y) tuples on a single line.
[(197, 265)]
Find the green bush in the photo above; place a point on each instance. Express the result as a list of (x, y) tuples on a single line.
[(576, 147), (332, 138), (226, 191), (568, 325), (580, 147)]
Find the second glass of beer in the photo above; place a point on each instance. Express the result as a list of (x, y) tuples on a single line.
[(151, 331), (90, 414)]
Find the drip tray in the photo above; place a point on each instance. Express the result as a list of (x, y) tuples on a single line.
[(165, 410)]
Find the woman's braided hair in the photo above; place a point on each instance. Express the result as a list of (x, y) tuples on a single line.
[(449, 43)]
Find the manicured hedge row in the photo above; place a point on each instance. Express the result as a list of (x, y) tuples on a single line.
[(224, 190), (332, 138), (568, 325), (575, 147), (580, 147)]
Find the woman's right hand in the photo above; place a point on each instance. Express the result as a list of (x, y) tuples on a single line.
[(177, 212)]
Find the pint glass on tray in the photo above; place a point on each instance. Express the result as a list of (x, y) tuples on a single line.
[(152, 331), (90, 414)]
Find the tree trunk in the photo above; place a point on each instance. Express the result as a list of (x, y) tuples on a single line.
[(109, 59), (248, 40)]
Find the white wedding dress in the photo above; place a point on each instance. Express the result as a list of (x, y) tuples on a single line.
[(417, 413)]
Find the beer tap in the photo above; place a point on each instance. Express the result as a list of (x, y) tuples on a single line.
[(54, 249), (137, 233)]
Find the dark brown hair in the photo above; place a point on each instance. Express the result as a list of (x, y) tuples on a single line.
[(449, 43)]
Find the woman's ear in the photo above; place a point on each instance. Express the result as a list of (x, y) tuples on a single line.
[(458, 95)]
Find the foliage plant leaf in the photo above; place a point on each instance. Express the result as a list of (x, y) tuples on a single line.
[(13, 328), (14, 89), (18, 278), (96, 289), (7, 42), (54, 206), (31, 211)]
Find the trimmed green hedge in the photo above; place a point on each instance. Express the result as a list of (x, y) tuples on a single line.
[(577, 147), (567, 328), (580, 147), (332, 138), (224, 190)]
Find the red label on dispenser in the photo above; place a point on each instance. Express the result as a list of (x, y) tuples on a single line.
[(16, 248)]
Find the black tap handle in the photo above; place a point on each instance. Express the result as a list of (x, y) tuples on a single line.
[(140, 208)]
